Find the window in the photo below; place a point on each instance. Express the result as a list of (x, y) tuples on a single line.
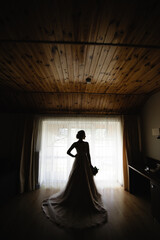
[(105, 141)]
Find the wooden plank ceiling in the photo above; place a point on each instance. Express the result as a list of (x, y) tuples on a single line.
[(49, 48)]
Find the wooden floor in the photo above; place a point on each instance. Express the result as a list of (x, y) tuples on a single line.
[(129, 217)]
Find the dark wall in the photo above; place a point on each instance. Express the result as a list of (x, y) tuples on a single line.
[(150, 116)]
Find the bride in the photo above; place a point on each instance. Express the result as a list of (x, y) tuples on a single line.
[(79, 205)]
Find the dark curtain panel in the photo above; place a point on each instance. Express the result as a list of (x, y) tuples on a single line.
[(125, 166), (131, 145), (29, 156), (132, 140)]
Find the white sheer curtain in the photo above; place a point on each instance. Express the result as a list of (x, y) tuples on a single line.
[(105, 140)]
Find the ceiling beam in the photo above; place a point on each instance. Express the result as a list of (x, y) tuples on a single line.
[(81, 43), (66, 93)]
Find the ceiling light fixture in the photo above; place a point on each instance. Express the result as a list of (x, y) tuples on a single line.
[(88, 80)]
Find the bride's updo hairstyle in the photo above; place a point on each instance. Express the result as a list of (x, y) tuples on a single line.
[(81, 134)]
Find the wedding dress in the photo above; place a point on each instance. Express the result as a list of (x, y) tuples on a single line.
[(79, 205)]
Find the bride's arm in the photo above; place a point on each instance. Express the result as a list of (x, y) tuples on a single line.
[(70, 149)]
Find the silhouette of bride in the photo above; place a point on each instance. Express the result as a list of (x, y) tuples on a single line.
[(79, 205)]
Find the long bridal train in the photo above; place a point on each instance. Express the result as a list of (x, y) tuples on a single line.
[(79, 205)]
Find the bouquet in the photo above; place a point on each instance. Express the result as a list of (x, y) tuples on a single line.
[(94, 170)]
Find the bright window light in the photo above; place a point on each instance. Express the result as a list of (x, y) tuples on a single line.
[(105, 140)]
